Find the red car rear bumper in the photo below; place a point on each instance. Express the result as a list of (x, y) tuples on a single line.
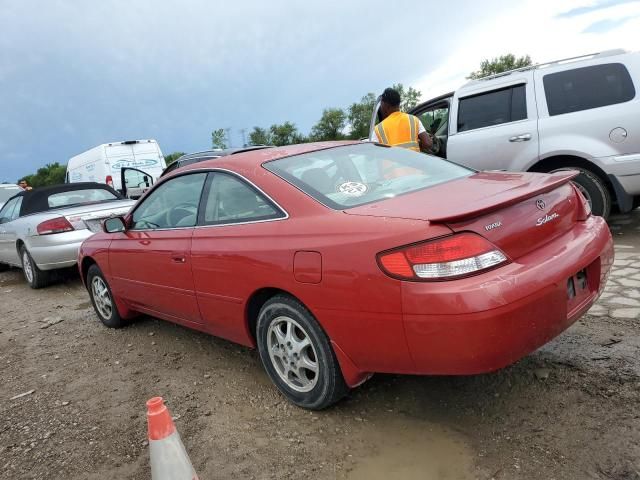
[(489, 321)]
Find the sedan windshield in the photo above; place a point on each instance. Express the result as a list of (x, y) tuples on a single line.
[(7, 192), (350, 176)]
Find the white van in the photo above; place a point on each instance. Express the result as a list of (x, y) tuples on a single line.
[(132, 164)]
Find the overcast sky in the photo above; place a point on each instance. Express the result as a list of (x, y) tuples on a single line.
[(75, 74)]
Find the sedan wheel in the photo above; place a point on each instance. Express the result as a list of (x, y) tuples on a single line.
[(297, 354), (102, 299), (32, 274), (292, 354)]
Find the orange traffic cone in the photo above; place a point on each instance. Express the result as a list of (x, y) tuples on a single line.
[(169, 459)]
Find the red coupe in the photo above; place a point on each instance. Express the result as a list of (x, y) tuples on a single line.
[(338, 260)]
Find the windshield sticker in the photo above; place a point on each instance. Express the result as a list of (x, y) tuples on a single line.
[(352, 189)]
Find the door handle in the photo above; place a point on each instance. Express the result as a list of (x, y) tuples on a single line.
[(179, 258), (525, 137)]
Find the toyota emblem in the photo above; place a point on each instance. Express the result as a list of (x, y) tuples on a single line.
[(540, 204)]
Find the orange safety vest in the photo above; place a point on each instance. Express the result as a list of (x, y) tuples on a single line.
[(399, 130)]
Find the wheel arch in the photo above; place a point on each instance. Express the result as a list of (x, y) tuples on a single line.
[(555, 161), (84, 268), (255, 303)]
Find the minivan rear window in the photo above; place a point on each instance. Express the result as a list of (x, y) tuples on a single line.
[(349, 176), (587, 87)]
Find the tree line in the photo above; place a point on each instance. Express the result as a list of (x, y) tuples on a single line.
[(334, 123)]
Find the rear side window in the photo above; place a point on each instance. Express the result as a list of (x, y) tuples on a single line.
[(492, 108), (587, 87), (231, 200)]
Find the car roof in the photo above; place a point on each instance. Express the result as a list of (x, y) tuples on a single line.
[(36, 200), (220, 152), (249, 160)]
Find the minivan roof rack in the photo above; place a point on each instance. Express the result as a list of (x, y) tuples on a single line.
[(604, 53)]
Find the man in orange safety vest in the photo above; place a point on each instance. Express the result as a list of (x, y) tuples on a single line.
[(399, 129)]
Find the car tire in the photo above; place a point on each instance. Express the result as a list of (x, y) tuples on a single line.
[(594, 190), (35, 277), (102, 299), (4, 267), (291, 344)]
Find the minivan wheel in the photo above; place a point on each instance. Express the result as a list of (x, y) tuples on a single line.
[(593, 189), (297, 354), (102, 299), (35, 277)]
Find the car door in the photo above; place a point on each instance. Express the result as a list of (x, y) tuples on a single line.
[(496, 128), (150, 261), (134, 182), (235, 244), (9, 213)]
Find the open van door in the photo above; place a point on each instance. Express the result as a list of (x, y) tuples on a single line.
[(375, 116), (134, 182)]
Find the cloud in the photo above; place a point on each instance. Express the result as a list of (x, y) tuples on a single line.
[(606, 25), (601, 5)]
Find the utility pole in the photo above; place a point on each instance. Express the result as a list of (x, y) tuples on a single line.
[(228, 130)]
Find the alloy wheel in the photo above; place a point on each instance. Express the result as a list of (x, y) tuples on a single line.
[(292, 354), (101, 297), (27, 268)]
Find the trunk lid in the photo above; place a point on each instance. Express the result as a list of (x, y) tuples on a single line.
[(91, 216), (518, 212)]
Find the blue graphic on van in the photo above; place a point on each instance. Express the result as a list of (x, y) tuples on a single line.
[(76, 177), (143, 162), (90, 167)]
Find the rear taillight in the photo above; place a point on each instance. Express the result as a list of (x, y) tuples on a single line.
[(443, 259), (584, 209), (55, 225), (109, 181)]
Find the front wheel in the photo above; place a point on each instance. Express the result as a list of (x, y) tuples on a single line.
[(297, 354), (102, 299), (35, 277), (593, 189)]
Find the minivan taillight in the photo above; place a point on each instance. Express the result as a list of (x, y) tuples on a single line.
[(55, 225), (109, 181), (447, 258)]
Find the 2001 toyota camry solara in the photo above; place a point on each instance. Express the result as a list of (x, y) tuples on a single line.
[(338, 260)]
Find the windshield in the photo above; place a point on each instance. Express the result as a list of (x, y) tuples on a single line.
[(7, 192), (78, 197), (345, 177)]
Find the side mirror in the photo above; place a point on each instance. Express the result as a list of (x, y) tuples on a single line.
[(114, 225)]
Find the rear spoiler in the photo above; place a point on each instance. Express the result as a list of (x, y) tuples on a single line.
[(504, 199)]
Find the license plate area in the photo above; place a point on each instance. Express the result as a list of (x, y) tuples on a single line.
[(578, 289)]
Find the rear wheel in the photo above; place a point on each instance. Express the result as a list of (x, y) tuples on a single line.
[(102, 299), (35, 277), (297, 354), (593, 189)]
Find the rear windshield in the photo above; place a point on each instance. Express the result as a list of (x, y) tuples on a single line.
[(79, 197), (350, 176), (7, 192)]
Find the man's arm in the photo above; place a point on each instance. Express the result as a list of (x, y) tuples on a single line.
[(425, 142)]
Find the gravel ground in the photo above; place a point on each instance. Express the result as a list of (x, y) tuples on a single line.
[(568, 411)]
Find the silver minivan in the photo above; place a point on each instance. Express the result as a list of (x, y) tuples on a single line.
[(580, 113)]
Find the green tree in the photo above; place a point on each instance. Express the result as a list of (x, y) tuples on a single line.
[(330, 125), (409, 98), (259, 136), (285, 134), (359, 116), (499, 65), (218, 138), (50, 174), (172, 157)]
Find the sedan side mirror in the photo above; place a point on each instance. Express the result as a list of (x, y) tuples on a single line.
[(114, 225)]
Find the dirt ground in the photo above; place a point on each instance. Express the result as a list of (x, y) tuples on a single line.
[(568, 411)]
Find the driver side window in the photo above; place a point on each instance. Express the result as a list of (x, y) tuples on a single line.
[(173, 204)]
